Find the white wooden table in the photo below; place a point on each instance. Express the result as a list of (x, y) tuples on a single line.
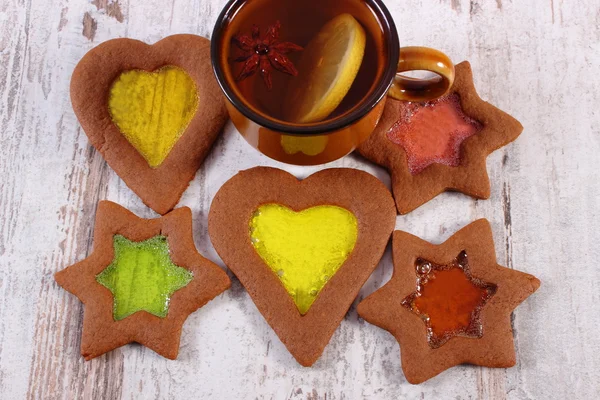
[(538, 60)]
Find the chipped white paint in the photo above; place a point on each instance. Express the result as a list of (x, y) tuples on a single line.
[(539, 60)]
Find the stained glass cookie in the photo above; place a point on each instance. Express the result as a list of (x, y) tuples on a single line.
[(441, 145), (449, 304), (152, 111), (141, 281), (302, 249)]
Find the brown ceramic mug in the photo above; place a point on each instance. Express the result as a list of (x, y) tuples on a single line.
[(329, 140)]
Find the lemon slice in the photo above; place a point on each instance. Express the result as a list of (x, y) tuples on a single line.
[(326, 71)]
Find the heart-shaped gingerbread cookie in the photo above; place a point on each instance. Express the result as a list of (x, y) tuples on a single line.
[(152, 111), (302, 249)]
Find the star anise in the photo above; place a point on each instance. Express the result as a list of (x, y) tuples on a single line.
[(265, 54)]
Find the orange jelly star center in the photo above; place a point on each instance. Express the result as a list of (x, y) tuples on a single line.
[(449, 300), (433, 132)]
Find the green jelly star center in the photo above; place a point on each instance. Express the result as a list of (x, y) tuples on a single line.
[(142, 277)]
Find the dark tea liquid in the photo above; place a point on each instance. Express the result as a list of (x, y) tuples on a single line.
[(301, 20)]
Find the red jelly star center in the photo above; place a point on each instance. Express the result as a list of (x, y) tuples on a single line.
[(433, 132), (449, 300)]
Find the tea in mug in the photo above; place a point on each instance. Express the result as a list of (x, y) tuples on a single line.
[(308, 61)]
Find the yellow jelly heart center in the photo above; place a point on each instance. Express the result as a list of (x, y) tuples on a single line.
[(304, 249), (153, 109)]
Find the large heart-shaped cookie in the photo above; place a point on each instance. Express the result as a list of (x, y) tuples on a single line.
[(152, 111), (336, 223)]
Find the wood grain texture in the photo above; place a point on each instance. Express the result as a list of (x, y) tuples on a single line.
[(538, 60)]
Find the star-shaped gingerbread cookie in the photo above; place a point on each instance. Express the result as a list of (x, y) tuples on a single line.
[(142, 280), (440, 145), (449, 304)]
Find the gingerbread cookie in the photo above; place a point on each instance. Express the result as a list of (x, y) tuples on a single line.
[(302, 249), (152, 111), (142, 280), (449, 304), (441, 145)]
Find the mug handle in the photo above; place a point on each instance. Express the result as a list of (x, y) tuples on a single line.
[(419, 90)]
